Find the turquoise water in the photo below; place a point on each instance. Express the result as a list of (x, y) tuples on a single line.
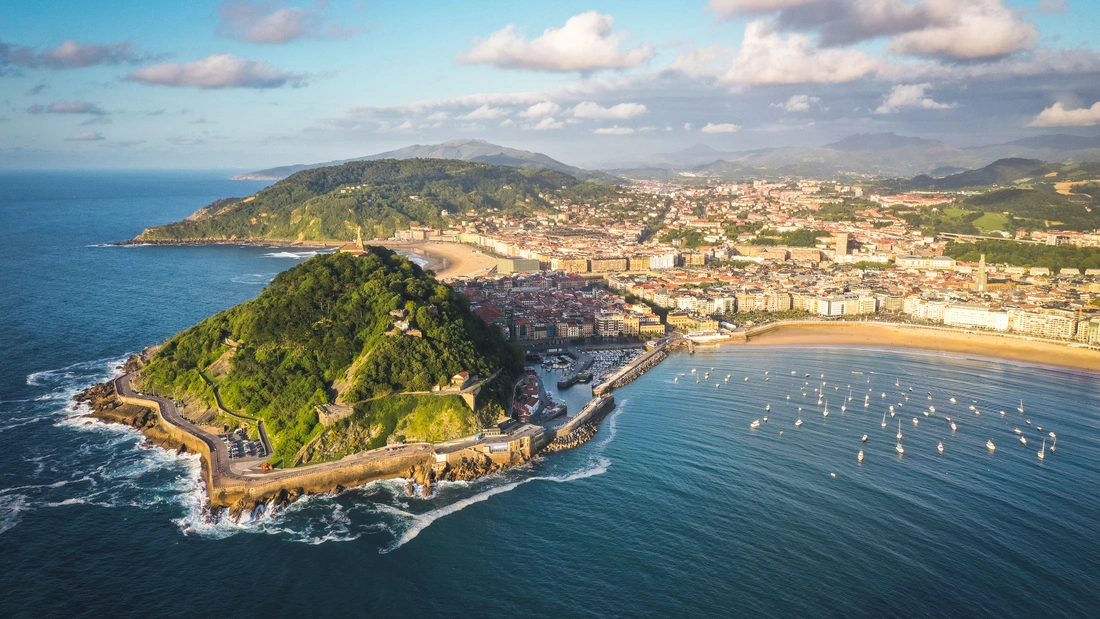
[(676, 508)]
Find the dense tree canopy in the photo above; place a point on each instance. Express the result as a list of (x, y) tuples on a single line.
[(303, 333)]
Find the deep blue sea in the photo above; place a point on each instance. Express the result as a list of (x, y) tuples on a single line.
[(676, 509)]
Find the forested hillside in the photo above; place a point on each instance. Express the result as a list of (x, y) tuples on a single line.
[(290, 348)]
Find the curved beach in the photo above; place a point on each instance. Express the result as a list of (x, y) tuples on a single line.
[(903, 336)]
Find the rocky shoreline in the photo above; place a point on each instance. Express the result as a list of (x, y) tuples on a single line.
[(421, 476), (232, 241), (576, 438)]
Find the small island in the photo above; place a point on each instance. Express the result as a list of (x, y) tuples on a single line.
[(348, 368)]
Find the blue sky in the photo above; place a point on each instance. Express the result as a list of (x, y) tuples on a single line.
[(243, 84)]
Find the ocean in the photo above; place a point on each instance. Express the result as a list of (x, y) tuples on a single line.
[(675, 509)]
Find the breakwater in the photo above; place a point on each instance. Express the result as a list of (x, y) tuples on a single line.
[(632, 370), (581, 428)]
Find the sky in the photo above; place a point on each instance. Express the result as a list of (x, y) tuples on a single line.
[(242, 85)]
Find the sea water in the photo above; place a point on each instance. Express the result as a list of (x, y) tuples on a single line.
[(675, 508)]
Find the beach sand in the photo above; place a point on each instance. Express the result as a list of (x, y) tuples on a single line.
[(449, 259), (899, 336)]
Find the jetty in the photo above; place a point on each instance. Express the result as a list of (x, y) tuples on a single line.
[(631, 371)]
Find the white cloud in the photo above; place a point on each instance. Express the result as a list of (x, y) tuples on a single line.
[(730, 8), (765, 57), (910, 95), (486, 112), (720, 128), (507, 122), (1058, 116), (71, 54), (67, 107), (539, 110), (589, 109), (798, 103), (437, 116), (217, 71), (687, 126), (85, 137), (616, 130), (548, 123), (584, 43), (268, 23), (979, 29)]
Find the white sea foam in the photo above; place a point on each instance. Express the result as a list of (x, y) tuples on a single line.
[(254, 279), (294, 255), (12, 507), (423, 521)]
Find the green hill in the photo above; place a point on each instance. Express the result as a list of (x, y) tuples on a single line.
[(323, 331), (328, 204)]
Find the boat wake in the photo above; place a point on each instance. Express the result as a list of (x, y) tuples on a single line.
[(294, 255)]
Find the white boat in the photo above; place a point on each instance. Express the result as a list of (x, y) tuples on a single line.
[(1002, 413), (843, 407), (798, 424), (990, 446), (932, 409), (676, 380), (953, 426), (859, 457), (692, 370), (884, 394), (897, 382), (915, 421), (788, 397), (939, 448), (952, 400), (884, 420), (971, 407), (717, 385), (899, 429), (1021, 406), (696, 381), (1018, 431), (754, 425), (768, 407), (864, 439), (1023, 440), (977, 412), (765, 419), (1043, 450), (1055, 443), (1052, 435), (900, 449), (826, 411), (746, 379)]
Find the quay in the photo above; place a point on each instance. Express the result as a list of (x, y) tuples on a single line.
[(631, 371)]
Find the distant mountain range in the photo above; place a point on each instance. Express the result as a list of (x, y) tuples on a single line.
[(464, 150), (878, 154)]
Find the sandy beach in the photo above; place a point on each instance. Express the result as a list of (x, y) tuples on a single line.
[(900, 336), (449, 259)]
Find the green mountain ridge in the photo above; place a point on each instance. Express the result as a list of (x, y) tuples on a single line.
[(323, 331), (329, 204)]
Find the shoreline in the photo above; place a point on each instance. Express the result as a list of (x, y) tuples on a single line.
[(447, 260), (887, 335)]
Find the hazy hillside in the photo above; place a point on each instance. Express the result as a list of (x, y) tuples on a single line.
[(463, 150)]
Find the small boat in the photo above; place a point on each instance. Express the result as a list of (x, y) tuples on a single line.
[(754, 425), (1040, 428), (891, 408), (792, 373), (953, 426), (931, 409), (899, 430), (1021, 406), (1027, 421), (1052, 435), (727, 380), (765, 419), (1018, 431), (897, 382), (900, 449), (884, 420), (864, 439), (884, 394), (952, 400), (826, 411), (939, 448), (859, 457), (1002, 413), (717, 385), (915, 421), (788, 397), (977, 412), (746, 379), (1041, 451), (676, 380), (971, 407), (692, 370), (768, 407), (696, 381), (1055, 442), (798, 424), (843, 407), (990, 446), (1023, 440)]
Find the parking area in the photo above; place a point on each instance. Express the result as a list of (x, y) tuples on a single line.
[(240, 446)]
